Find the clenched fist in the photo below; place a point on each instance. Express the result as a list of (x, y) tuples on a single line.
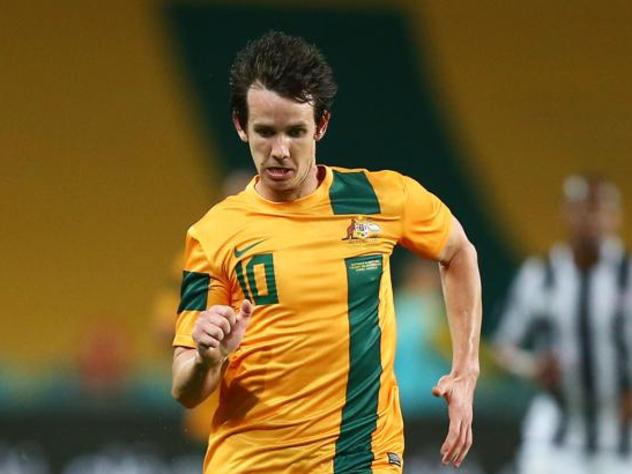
[(219, 330)]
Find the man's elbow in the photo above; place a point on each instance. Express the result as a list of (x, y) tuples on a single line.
[(470, 250), (464, 256)]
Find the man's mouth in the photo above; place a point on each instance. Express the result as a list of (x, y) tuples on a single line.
[(279, 173)]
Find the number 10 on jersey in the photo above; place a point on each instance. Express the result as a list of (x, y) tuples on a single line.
[(258, 266)]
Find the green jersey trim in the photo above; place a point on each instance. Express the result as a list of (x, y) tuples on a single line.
[(359, 414), (194, 291), (352, 193)]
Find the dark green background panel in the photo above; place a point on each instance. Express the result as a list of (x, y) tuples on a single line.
[(384, 115)]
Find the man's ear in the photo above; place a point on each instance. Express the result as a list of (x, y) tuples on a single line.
[(243, 136), (321, 127)]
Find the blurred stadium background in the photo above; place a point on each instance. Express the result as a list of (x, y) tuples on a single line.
[(115, 136)]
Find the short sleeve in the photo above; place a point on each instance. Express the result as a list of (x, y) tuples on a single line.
[(426, 221), (626, 302), (201, 288), (524, 304)]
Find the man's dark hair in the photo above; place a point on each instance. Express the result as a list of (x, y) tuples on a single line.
[(590, 187), (287, 65)]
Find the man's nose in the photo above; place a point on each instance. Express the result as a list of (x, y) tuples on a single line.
[(280, 147)]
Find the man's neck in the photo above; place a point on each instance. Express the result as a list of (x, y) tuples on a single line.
[(586, 253)]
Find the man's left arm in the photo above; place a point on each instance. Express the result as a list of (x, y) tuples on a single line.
[(626, 396), (462, 293)]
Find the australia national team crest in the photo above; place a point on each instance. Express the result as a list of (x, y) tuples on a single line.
[(362, 229)]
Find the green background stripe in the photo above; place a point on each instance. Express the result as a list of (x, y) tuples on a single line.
[(359, 415), (352, 193), (194, 291)]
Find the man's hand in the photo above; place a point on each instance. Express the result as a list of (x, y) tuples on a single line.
[(458, 392), (219, 331), (626, 406), (547, 371)]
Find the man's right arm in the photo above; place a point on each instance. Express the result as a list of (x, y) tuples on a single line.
[(196, 372), (194, 379), (541, 368), (525, 297)]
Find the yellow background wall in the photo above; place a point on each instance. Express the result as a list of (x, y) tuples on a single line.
[(534, 91), (103, 168)]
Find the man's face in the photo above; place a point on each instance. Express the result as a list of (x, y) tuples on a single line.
[(592, 218), (282, 135)]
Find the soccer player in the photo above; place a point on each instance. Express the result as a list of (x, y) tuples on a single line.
[(567, 327), (286, 302)]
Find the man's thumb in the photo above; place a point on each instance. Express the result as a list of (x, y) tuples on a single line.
[(440, 390), (245, 312)]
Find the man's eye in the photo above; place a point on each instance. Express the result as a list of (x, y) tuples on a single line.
[(296, 132), (265, 132)]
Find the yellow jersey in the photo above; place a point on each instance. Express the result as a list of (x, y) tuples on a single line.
[(311, 388)]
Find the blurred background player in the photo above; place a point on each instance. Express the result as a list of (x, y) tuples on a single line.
[(566, 326)]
